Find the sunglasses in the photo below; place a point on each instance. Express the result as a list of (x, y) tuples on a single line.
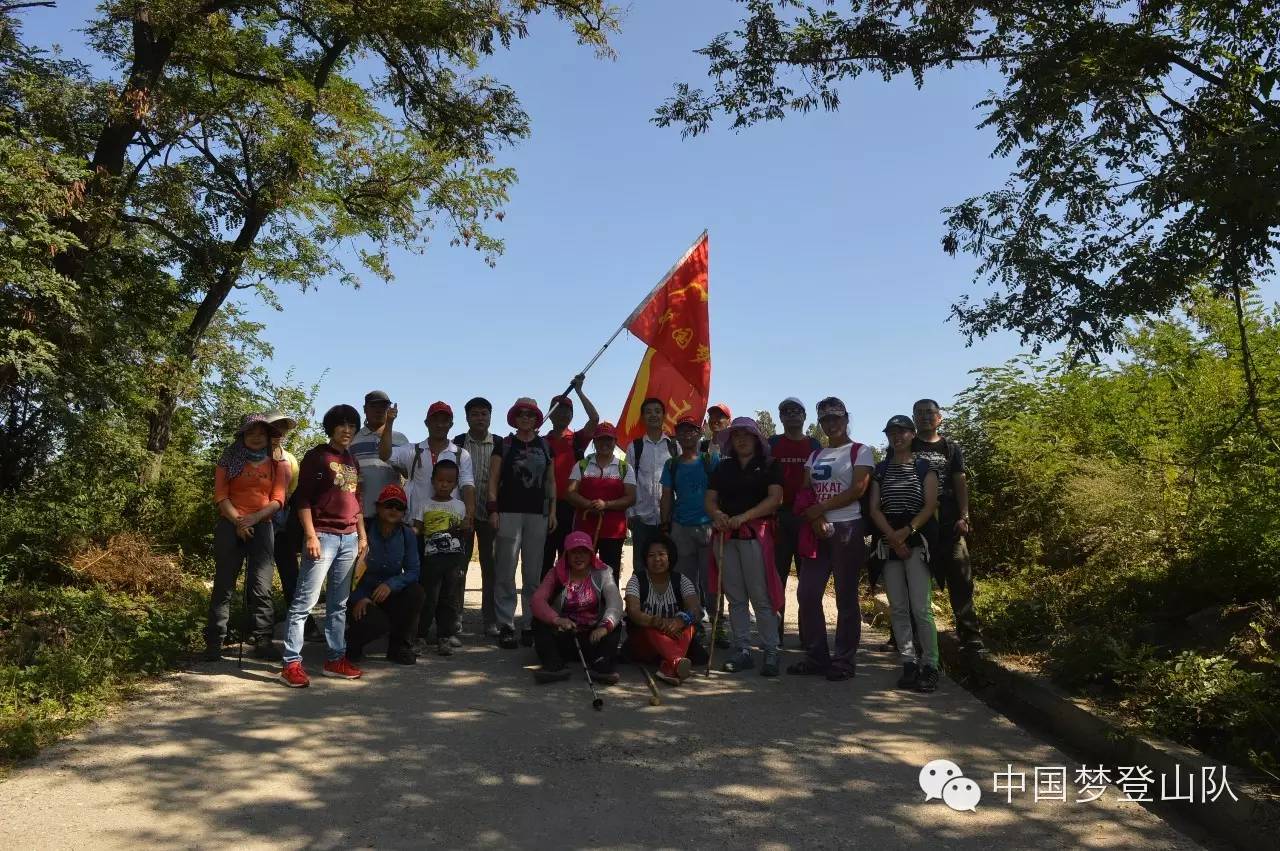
[(530, 414), (395, 505)]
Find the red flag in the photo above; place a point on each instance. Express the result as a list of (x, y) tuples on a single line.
[(674, 322)]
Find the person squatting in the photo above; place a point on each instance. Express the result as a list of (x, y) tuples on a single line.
[(716, 516)]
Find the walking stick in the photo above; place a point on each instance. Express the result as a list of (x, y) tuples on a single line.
[(597, 702), (244, 621), (654, 699), (715, 617)]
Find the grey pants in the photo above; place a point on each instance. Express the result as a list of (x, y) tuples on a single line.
[(520, 537), (230, 553), (486, 536), (909, 585), (743, 580), (693, 543)]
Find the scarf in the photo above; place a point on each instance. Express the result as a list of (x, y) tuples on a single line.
[(235, 456)]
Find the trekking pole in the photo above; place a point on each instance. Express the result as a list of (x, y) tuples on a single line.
[(244, 621), (597, 703), (654, 698), (715, 617)]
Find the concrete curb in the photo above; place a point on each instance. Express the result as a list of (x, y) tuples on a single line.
[(1251, 822)]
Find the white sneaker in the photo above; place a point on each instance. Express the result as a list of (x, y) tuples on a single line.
[(455, 641)]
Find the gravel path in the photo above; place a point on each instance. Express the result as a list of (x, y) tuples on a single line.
[(466, 752)]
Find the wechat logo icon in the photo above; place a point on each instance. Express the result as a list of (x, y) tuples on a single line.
[(942, 778)]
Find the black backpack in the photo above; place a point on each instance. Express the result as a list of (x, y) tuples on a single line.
[(637, 449), (669, 468), (642, 579)]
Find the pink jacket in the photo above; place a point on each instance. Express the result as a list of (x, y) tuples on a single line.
[(549, 597)]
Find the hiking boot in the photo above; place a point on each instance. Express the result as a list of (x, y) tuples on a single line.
[(293, 676), (543, 676), (974, 646), (342, 669), (401, 656), (910, 675), (806, 666), (491, 630), (770, 666), (740, 661), (928, 680), (212, 651), (507, 638), (669, 679), (444, 648), (839, 673), (455, 641), (605, 679), (526, 637), (265, 648)]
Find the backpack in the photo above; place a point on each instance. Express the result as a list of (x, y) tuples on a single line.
[(637, 448), (417, 457), (509, 440), (669, 468)]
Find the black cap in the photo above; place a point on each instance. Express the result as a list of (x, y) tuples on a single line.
[(376, 396), (900, 421)]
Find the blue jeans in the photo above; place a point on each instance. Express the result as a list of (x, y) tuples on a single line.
[(337, 557)]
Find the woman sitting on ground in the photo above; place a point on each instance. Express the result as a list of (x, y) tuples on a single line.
[(659, 619), (577, 606)]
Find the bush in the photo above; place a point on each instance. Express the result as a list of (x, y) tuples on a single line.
[(64, 651)]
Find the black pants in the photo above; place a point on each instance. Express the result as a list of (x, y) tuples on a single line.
[(556, 648), (610, 552), (786, 541), (953, 552), (442, 578), (230, 553), (288, 549), (554, 547), (397, 616)]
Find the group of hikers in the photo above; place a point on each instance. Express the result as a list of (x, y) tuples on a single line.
[(716, 514)]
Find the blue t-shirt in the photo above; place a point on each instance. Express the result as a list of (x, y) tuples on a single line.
[(689, 490)]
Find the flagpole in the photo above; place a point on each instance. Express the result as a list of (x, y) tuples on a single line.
[(631, 316)]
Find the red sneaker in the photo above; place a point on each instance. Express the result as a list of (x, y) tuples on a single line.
[(342, 669), (293, 676)]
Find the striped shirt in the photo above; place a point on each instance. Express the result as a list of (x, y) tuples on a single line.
[(901, 491), (661, 604), (481, 452)]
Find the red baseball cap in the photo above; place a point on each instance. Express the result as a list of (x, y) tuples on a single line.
[(722, 408), (606, 429), (690, 421), (391, 492), (439, 408)]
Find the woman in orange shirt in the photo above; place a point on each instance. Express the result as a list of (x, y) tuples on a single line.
[(249, 487)]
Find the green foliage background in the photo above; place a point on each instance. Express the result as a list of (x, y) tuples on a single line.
[(1127, 530)]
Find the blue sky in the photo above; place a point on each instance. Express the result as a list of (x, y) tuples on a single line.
[(826, 271)]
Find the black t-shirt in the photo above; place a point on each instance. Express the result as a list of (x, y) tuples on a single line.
[(945, 458), (522, 487), (741, 489)]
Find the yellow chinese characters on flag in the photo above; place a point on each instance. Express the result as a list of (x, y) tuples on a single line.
[(676, 368)]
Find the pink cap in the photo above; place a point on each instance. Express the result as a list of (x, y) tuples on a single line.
[(578, 541)]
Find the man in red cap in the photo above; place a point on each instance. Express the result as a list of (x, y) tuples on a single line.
[(718, 417), (569, 447), (416, 461), (602, 487), (386, 599)]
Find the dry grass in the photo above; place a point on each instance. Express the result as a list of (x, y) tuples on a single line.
[(129, 563)]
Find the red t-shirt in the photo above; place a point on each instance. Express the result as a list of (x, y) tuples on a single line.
[(790, 456), (568, 447)]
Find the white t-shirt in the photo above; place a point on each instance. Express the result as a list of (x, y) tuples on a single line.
[(831, 474), (418, 486), (613, 470)]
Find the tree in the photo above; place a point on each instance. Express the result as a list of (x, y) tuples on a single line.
[(764, 420), (245, 144), (1142, 135), (815, 431)]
